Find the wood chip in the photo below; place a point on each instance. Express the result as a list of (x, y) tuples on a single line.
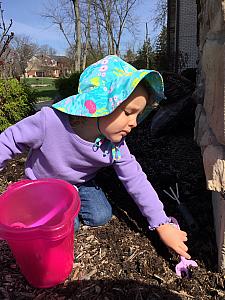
[(158, 277), (88, 276), (90, 238), (40, 296)]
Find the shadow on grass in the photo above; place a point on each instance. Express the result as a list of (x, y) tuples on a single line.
[(47, 94)]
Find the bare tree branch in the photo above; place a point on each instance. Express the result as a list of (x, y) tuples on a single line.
[(25, 49), (5, 36), (160, 17), (55, 13), (96, 25), (122, 12)]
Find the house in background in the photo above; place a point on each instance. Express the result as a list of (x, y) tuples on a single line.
[(182, 34), (48, 66)]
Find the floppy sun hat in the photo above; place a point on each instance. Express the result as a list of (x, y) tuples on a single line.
[(104, 85)]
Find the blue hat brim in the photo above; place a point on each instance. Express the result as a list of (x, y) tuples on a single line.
[(106, 104)]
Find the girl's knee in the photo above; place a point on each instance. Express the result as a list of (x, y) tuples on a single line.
[(101, 218)]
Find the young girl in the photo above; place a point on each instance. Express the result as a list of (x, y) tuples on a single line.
[(86, 132)]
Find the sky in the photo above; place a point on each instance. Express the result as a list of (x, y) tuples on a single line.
[(28, 21)]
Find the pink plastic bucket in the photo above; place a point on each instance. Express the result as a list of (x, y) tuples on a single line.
[(37, 221)]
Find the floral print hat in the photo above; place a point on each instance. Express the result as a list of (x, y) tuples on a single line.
[(104, 85)]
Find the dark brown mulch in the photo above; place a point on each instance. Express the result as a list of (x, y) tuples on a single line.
[(123, 260)]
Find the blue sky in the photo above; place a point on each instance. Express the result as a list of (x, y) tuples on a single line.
[(27, 21)]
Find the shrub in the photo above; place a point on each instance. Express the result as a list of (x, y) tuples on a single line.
[(16, 102), (68, 86)]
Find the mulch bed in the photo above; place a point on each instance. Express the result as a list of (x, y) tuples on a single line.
[(123, 260)]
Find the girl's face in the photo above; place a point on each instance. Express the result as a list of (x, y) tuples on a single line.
[(123, 119)]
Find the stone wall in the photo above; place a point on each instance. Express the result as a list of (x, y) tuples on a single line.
[(210, 112)]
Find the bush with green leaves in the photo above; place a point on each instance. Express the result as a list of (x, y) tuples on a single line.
[(17, 101), (68, 86)]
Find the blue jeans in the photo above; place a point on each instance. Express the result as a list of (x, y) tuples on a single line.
[(95, 208)]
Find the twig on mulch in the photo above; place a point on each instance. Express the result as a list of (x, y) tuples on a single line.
[(182, 293)]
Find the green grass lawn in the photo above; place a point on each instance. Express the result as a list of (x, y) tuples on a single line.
[(45, 93)]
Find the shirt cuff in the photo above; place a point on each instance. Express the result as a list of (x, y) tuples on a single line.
[(159, 220)]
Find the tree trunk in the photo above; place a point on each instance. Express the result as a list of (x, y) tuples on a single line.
[(98, 27), (87, 35), (78, 35), (122, 13), (106, 11)]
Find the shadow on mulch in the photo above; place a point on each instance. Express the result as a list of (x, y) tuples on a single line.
[(201, 244), (100, 290), (118, 289)]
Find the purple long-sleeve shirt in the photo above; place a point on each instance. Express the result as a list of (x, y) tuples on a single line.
[(57, 152)]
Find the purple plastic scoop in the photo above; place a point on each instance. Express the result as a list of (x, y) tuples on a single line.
[(182, 268)]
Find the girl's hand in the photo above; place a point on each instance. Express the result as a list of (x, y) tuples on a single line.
[(174, 238)]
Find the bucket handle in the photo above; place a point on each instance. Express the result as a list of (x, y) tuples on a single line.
[(18, 184)]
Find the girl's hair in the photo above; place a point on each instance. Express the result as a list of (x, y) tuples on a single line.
[(149, 91), (77, 120)]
